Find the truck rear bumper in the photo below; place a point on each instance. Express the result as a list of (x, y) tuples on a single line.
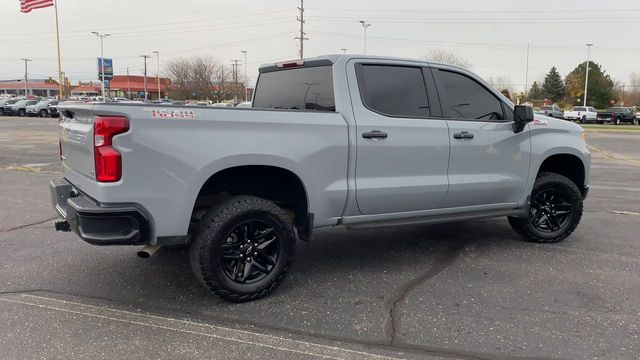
[(99, 224)]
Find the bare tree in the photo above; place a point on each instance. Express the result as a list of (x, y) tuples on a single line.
[(502, 84), (202, 76), (179, 71), (448, 57), (632, 90)]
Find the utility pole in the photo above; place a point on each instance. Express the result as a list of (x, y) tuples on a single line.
[(302, 33), (26, 76), (526, 75), (158, 73), (246, 80), (101, 36), (128, 85), (235, 79), (145, 75), (365, 25), (586, 77)]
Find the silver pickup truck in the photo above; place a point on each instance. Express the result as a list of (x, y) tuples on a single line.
[(331, 141)]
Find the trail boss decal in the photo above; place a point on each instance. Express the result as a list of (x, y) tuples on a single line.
[(172, 113)]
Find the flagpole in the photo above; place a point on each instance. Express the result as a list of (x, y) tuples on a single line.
[(58, 43)]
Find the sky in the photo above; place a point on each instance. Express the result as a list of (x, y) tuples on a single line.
[(491, 34)]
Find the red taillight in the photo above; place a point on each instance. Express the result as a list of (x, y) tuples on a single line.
[(108, 160)]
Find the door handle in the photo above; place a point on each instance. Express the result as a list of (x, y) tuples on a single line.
[(463, 135), (375, 134)]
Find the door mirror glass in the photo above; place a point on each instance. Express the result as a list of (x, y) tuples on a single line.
[(521, 116)]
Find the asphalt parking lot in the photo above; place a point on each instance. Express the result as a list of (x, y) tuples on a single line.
[(469, 290)]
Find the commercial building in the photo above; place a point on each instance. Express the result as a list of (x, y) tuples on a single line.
[(35, 87)]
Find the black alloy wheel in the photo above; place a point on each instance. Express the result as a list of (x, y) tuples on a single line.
[(243, 248), (555, 210), (44, 113), (550, 211), (251, 250)]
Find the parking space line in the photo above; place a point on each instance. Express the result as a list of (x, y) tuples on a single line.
[(618, 188), (190, 327)]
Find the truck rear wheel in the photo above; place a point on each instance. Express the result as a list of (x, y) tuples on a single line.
[(555, 212), (243, 248)]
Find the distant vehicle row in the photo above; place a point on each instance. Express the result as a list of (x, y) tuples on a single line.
[(14, 106), (588, 114)]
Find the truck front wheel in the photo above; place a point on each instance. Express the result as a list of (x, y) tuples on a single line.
[(243, 248), (555, 212)]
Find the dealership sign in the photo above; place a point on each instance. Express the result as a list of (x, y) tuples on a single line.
[(107, 65)]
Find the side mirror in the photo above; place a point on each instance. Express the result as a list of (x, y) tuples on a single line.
[(521, 116)]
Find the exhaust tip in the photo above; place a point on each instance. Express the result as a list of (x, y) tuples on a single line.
[(148, 251)]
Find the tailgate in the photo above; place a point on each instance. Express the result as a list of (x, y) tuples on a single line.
[(76, 139)]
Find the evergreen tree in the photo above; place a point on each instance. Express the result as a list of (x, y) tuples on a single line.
[(601, 87), (553, 87), (535, 93)]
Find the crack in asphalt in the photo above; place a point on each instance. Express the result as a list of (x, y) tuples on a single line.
[(240, 323), (28, 225), (441, 263)]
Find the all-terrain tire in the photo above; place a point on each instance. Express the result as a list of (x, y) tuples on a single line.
[(551, 181), (213, 232)]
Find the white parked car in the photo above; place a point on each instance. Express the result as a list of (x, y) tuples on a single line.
[(584, 114), (246, 104)]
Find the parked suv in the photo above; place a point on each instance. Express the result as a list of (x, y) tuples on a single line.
[(5, 106), (350, 141), (41, 108), (551, 111), (20, 107)]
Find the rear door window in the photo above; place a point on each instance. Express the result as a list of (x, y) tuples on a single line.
[(396, 91)]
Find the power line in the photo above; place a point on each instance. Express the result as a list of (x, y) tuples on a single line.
[(158, 24)]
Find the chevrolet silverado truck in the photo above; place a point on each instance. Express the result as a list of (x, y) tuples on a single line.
[(584, 114), (617, 115), (342, 140)]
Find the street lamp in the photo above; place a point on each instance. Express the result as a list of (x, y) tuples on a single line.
[(246, 80), (344, 51), (586, 76), (145, 75), (101, 36), (365, 25), (158, 73)]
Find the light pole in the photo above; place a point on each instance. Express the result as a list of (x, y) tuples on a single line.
[(586, 76), (246, 80), (344, 51), (158, 73), (145, 75), (365, 25), (526, 76), (101, 36), (26, 77)]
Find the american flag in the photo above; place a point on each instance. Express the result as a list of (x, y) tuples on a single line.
[(28, 5)]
